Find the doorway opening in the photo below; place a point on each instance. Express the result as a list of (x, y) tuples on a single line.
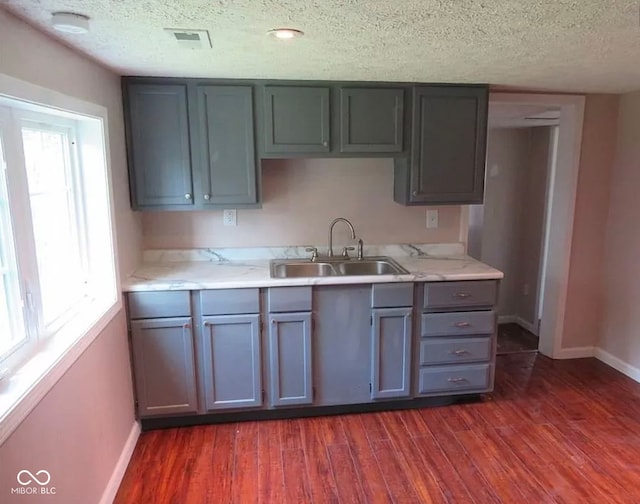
[(525, 224)]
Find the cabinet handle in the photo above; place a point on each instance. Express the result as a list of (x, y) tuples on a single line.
[(207, 197), (459, 353), (274, 321), (457, 380), (187, 196), (461, 295), (462, 324)]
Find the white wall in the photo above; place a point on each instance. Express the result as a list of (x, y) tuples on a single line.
[(78, 431), (621, 320)]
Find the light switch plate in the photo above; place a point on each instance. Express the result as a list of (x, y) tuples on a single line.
[(229, 217), (432, 219)]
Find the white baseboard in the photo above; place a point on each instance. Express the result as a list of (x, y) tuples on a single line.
[(575, 353), (528, 326), (110, 492), (618, 364), (515, 319)]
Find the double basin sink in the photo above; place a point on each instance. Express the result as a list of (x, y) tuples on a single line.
[(292, 268)]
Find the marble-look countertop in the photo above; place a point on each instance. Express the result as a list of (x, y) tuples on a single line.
[(238, 268)]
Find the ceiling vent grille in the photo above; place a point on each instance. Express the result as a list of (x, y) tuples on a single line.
[(190, 39)]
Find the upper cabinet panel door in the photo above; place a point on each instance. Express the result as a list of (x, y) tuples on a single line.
[(227, 145), (449, 143), (158, 145), (296, 119), (371, 120)]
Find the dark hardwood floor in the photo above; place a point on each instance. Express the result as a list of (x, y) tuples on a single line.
[(515, 339), (553, 431)]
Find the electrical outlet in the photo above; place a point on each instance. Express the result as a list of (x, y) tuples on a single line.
[(229, 217), (432, 219)]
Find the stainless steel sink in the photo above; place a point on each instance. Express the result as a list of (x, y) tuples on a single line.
[(336, 267), (371, 267), (295, 269)]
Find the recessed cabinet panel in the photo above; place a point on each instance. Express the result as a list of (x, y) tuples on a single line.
[(449, 142), (158, 145), (296, 119), (231, 355), (226, 134), (391, 353), (371, 120), (164, 366)]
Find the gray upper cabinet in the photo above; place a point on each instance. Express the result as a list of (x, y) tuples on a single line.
[(371, 120), (159, 152), (227, 155), (290, 373), (296, 120), (231, 361), (164, 366), (448, 147)]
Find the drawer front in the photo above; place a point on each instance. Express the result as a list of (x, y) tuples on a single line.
[(443, 295), (458, 323), (230, 301), (289, 299), (454, 379), (392, 295), (144, 305), (452, 350)]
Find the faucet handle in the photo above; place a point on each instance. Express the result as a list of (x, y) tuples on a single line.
[(360, 249), (345, 251), (314, 253)]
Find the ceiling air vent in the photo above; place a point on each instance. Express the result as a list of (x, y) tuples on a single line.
[(190, 39)]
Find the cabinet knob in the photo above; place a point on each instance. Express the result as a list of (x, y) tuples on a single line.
[(187, 196), (325, 143), (415, 193), (187, 326), (207, 197)]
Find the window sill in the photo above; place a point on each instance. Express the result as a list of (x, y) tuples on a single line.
[(22, 390)]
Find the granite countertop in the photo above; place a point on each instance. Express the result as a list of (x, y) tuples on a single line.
[(237, 268)]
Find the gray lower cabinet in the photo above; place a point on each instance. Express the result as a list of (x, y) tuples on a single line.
[(231, 359), (227, 154), (164, 366), (159, 151), (296, 119), (290, 359), (448, 146), (391, 353), (371, 119)]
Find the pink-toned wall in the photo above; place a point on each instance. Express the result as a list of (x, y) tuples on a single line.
[(300, 198), (621, 321), (78, 431), (585, 299)]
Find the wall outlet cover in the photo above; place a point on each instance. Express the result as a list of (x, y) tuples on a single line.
[(432, 219), (229, 218)]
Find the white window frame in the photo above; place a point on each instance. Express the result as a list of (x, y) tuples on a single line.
[(27, 384)]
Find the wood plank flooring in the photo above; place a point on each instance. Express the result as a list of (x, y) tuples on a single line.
[(553, 431)]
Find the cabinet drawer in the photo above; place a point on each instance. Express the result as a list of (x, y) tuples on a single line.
[(143, 305), (439, 379), (472, 294), (229, 301), (289, 299), (392, 295), (450, 350), (458, 323)]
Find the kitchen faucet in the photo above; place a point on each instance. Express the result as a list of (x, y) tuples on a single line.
[(335, 221)]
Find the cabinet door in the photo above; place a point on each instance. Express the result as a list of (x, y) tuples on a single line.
[(449, 142), (391, 353), (163, 366), (231, 355), (290, 359), (371, 120), (228, 162), (296, 119), (158, 145)]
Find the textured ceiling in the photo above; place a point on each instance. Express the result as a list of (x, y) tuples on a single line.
[(572, 45)]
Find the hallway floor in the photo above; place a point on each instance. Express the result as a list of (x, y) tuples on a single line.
[(513, 338)]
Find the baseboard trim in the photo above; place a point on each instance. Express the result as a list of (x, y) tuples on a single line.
[(523, 323), (575, 353), (111, 490), (618, 364), (515, 319)]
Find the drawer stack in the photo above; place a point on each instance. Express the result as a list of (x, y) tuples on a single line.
[(456, 352)]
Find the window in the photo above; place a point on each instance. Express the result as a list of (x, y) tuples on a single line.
[(56, 250)]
